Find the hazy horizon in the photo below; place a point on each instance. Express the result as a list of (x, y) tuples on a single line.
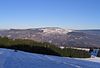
[(50, 27), (71, 14)]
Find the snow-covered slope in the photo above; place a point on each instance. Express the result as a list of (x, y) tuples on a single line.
[(95, 59), (56, 30), (11, 59)]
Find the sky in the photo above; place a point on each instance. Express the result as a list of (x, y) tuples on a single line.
[(72, 14)]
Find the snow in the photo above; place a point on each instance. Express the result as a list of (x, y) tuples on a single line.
[(95, 59), (51, 30), (11, 59)]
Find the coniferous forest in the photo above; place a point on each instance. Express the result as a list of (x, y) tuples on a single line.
[(98, 54), (41, 48)]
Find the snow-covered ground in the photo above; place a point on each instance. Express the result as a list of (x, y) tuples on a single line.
[(11, 59), (95, 59)]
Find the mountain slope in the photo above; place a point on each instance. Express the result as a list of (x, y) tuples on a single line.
[(58, 36), (11, 59)]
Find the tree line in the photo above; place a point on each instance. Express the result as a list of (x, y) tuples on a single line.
[(41, 48)]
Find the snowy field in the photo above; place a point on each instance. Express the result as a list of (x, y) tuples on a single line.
[(95, 59), (11, 59)]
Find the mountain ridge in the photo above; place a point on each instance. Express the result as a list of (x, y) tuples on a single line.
[(56, 35)]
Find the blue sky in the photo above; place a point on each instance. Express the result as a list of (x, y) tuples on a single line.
[(73, 14)]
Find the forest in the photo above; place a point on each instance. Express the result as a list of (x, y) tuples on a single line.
[(41, 48)]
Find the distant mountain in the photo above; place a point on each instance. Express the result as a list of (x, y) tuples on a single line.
[(93, 32), (56, 35)]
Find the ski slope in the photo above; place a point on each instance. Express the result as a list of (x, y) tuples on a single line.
[(11, 59)]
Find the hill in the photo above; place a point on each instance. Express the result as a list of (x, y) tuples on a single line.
[(57, 36)]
